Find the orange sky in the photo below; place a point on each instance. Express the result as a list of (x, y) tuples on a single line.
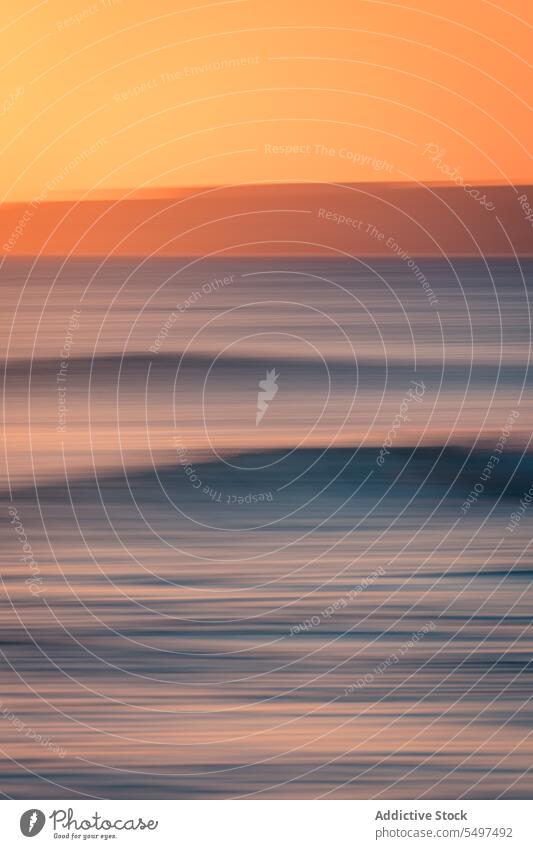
[(129, 93)]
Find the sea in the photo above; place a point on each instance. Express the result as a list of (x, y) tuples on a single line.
[(266, 528)]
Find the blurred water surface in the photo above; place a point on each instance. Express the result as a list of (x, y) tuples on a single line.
[(210, 607)]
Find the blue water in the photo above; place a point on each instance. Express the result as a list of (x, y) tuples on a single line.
[(304, 607)]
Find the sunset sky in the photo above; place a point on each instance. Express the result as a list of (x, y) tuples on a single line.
[(112, 95)]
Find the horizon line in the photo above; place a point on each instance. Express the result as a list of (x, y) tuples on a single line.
[(162, 192)]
